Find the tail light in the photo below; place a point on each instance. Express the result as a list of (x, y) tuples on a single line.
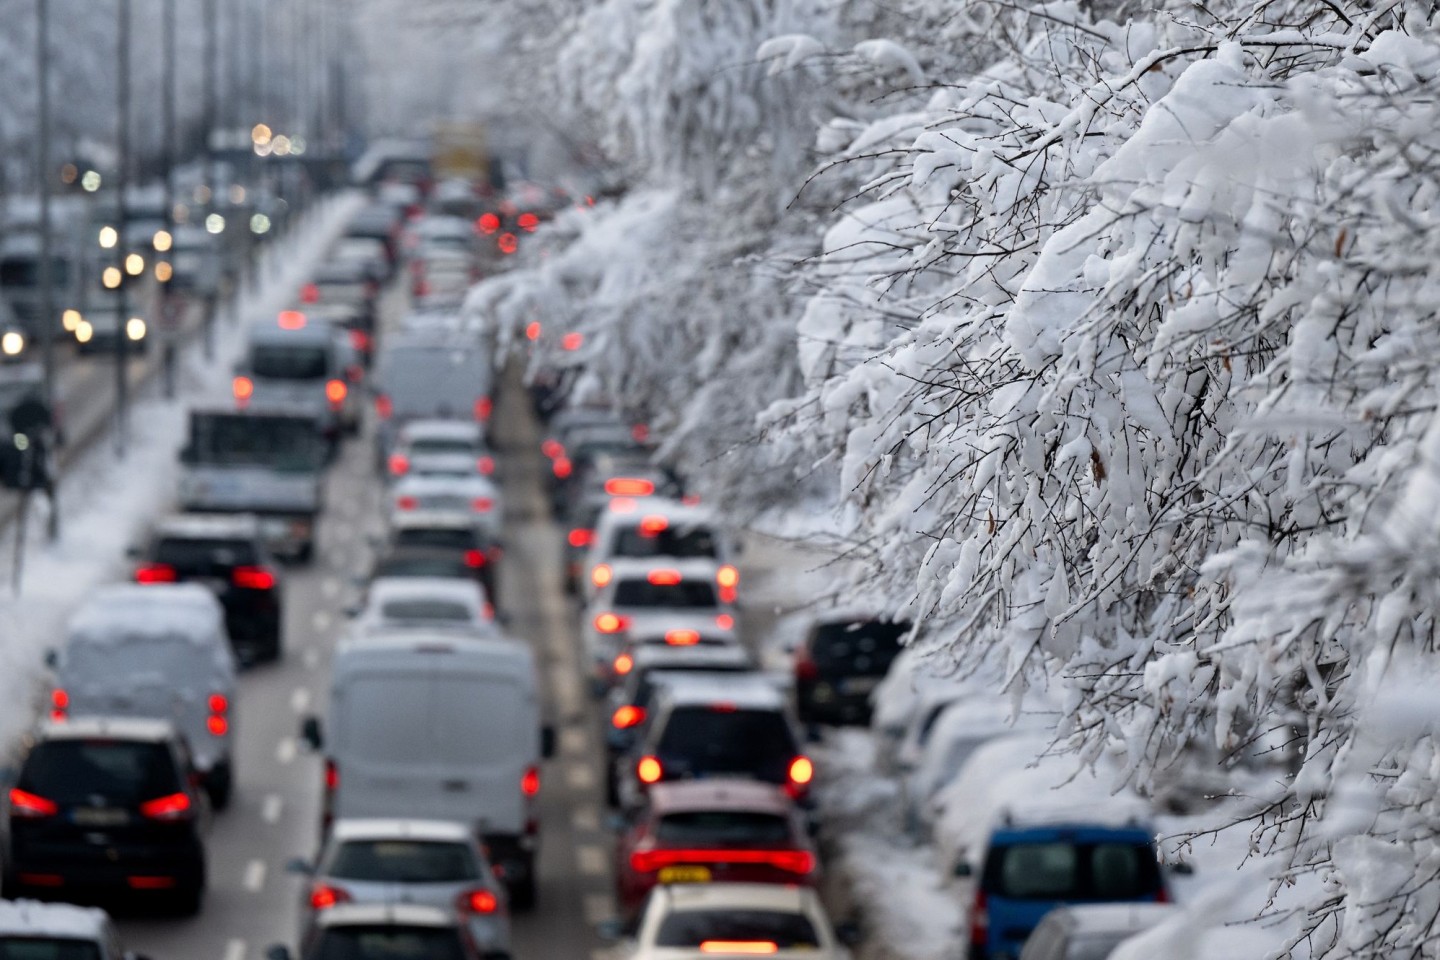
[(561, 467), (291, 319), (172, 806), (682, 638), (156, 573), (798, 776), (979, 921), (1162, 895), (580, 537), (482, 504), (805, 668), (360, 340), (253, 578), (629, 487), (649, 770), (627, 716), (530, 782), (477, 901), (552, 448), (475, 559), (422, 287), (623, 664), (335, 392), (532, 330), (332, 776), (30, 806), (484, 406), (406, 503), (572, 341), (653, 526), (725, 622), (323, 896), (399, 464), (611, 623), (310, 293), (59, 703), (745, 947), (663, 577), (486, 465), (791, 861), (384, 406), (691, 499), (508, 243), (601, 575), (728, 576), (487, 223), (528, 222), (243, 388), (218, 723), (640, 433)]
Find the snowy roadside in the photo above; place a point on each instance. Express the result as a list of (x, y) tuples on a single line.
[(106, 501)]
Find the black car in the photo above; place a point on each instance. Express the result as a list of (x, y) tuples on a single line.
[(840, 663), (430, 543), (225, 553), (106, 807)]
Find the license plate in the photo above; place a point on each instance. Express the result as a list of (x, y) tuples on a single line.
[(859, 685), (684, 875), (99, 816)]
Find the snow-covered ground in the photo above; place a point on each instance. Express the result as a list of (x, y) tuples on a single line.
[(107, 501)]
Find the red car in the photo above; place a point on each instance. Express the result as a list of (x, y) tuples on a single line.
[(698, 831)]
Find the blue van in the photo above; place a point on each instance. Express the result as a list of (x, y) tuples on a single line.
[(1030, 870)]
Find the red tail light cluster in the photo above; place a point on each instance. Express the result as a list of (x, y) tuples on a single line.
[(332, 776), (484, 406), (335, 393), (627, 716), (798, 776), (629, 487), (623, 664), (475, 559), (323, 896), (682, 638), (218, 723), (156, 573), (406, 503), (561, 467), (173, 806), (482, 504), (979, 920), (253, 578), (477, 901), (399, 464), (30, 806), (486, 465), (384, 406), (611, 623), (243, 388), (530, 782), (59, 704), (791, 861), (552, 448), (663, 577), (580, 537), (649, 770), (805, 667)]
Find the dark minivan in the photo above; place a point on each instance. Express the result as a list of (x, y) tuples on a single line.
[(839, 665)]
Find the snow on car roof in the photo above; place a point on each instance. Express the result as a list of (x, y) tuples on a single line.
[(121, 728), (387, 914), (391, 828), (117, 612), (740, 896), (440, 430), (751, 690), (29, 918), (719, 794), (315, 330), (1093, 918), (204, 526), (669, 658), (385, 589), (678, 513), (471, 484)]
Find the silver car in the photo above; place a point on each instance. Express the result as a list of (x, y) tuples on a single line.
[(428, 862)]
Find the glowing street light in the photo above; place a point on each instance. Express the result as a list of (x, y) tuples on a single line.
[(90, 181), (109, 236), (111, 278), (215, 223), (163, 241), (260, 134), (134, 264)]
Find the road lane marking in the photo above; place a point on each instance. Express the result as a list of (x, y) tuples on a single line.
[(598, 907), (270, 809), (592, 860), (586, 818), (321, 621), (575, 740), (330, 588), (285, 750), (235, 949), (311, 657), (579, 776), (300, 699), (255, 875)]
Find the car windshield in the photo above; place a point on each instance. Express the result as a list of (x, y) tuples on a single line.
[(691, 928), (282, 443), (389, 943), (718, 738), (47, 948), (289, 362), (723, 828), (861, 646), (457, 538), (686, 593), (1066, 870), (679, 542), (120, 771), (201, 556), (426, 610), (402, 861)]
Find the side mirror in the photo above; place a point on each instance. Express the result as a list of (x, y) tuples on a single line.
[(310, 733), (277, 951), (300, 866), (610, 931), (848, 933), (963, 869), (52, 658), (547, 741)]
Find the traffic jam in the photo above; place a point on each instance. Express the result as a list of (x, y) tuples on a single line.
[(367, 430)]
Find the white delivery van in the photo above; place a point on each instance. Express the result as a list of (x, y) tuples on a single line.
[(157, 651), (427, 725)]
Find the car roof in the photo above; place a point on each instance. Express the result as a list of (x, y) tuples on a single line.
[(1095, 918), (315, 330), (30, 918), (751, 690), (739, 896), (433, 520), (118, 728), (442, 429), (202, 526), (399, 828), (637, 568), (675, 659), (121, 610), (425, 588), (719, 794), (469, 483), (385, 914)]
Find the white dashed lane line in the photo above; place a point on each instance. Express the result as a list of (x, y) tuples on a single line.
[(598, 907), (255, 876), (300, 699), (586, 819), (579, 776), (271, 807), (575, 741), (285, 750), (321, 621), (591, 860), (330, 588), (234, 949)]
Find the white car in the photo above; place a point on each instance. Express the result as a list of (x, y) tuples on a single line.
[(433, 493), (659, 528), (705, 920), (652, 598), (32, 929), (448, 448), (445, 603)]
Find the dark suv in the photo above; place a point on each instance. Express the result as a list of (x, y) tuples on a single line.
[(839, 665), (106, 806), (224, 553)]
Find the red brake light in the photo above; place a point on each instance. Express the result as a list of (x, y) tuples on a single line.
[(406, 503), (31, 806), (332, 776), (173, 806), (484, 406), (572, 341), (294, 319), (627, 716), (475, 559), (335, 391), (801, 771), (805, 668), (384, 407), (653, 526), (360, 340), (601, 575), (478, 901), (156, 573), (508, 243), (640, 433), (482, 504), (979, 919), (217, 725), (530, 782), (562, 467), (664, 577), (611, 623), (623, 664), (727, 576), (649, 770), (399, 464), (725, 622), (527, 222), (486, 465), (746, 947), (682, 638), (253, 578), (310, 293), (791, 861), (59, 703), (552, 448), (243, 388), (629, 487), (580, 537), (488, 223), (532, 330), (218, 703), (323, 896)]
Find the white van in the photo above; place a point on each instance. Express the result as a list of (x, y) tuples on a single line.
[(427, 725), (160, 652)]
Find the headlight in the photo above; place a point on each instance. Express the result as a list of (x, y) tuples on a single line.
[(83, 331), (71, 319), (12, 343), (135, 328)]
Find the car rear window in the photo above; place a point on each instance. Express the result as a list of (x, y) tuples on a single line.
[(389, 943), (122, 771), (409, 566), (686, 593), (458, 538), (670, 542), (442, 445), (1065, 870), (47, 948), (289, 362), (403, 861), (864, 647), (691, 928), (723, 739), (723, 828), (427, 610), (201, 556)]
